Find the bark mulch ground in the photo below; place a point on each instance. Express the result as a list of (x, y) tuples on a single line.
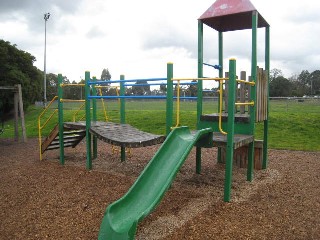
[(44, 200)]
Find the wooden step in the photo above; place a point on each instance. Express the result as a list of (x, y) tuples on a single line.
[(71, 138)]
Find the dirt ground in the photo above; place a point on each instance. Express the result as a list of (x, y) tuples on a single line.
[(44, 200)]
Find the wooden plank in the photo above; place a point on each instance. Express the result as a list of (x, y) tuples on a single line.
[(16, 116), (53, 134)]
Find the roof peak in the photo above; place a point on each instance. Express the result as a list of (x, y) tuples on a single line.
[(230, 15)]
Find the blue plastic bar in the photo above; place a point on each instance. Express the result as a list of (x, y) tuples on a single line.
[(131, 80), (155, 84), (218, 67), (137, 97), (144, 84)]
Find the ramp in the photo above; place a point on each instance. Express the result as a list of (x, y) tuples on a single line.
[(122, 217)]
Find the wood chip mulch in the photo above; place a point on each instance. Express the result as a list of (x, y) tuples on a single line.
[(44, 200)]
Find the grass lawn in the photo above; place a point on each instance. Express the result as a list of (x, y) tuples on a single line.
[(292, 125)]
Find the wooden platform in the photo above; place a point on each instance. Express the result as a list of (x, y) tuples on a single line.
[(117, 134), (220, 140)]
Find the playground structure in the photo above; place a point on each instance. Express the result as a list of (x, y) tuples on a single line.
[(232, 131), (18, 111)]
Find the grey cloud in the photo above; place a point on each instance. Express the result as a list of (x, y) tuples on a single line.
[(95, 32), (32, 11), (163, 37)]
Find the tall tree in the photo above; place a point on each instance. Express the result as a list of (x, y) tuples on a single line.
[(280, 87), (315, 82), (141, 90), (105, 75), (16, 67), (274, 73)]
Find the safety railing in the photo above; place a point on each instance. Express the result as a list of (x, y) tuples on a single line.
[(40, 127), (220, 80)]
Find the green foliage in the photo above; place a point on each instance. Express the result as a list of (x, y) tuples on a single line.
[(16, 67), (280, 87)]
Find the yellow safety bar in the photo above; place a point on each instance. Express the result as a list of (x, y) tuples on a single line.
[(220, 107), (244, 103), (74, 115), (220, 97), (178, 105), (71, 100), (45, 123)]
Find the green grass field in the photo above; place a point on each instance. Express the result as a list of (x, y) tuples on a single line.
[(292, 125)]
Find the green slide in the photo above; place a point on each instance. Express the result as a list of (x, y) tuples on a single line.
[(121, 217)]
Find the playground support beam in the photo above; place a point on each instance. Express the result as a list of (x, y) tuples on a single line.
[(88, 120), (220, 46), (122, 113), (94, 118), (169, 104), (199, 90), (253, 94), (60, 116), (266, 122), (230, 130)]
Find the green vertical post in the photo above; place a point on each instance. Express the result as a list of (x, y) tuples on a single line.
[(266, 122), (60, 116), (94, 118), (199, 90), (169, 104), (122, 113), (230, 129), (220, 76), (253, 93), (88, 120)]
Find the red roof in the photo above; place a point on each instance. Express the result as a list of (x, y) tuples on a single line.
[(230, 15)]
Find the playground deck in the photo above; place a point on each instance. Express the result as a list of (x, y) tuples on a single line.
[(122, 135), (220, 140)]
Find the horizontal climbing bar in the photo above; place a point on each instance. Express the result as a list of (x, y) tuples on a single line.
[(190, 79), (139, 97), (246, 82), (71, 100), (124, 81), (244, 104), (106, 86), (72, 84)]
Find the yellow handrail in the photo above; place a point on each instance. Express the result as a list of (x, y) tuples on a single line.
[(103, 106), (46, 122), (71, 100), (190, 79), (244, 103), (178, 105), (220, 107), (74, 115)]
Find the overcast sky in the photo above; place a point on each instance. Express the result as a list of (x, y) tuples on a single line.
[(137, 38)]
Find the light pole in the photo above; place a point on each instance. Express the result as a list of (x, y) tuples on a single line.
[(46, 17)]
